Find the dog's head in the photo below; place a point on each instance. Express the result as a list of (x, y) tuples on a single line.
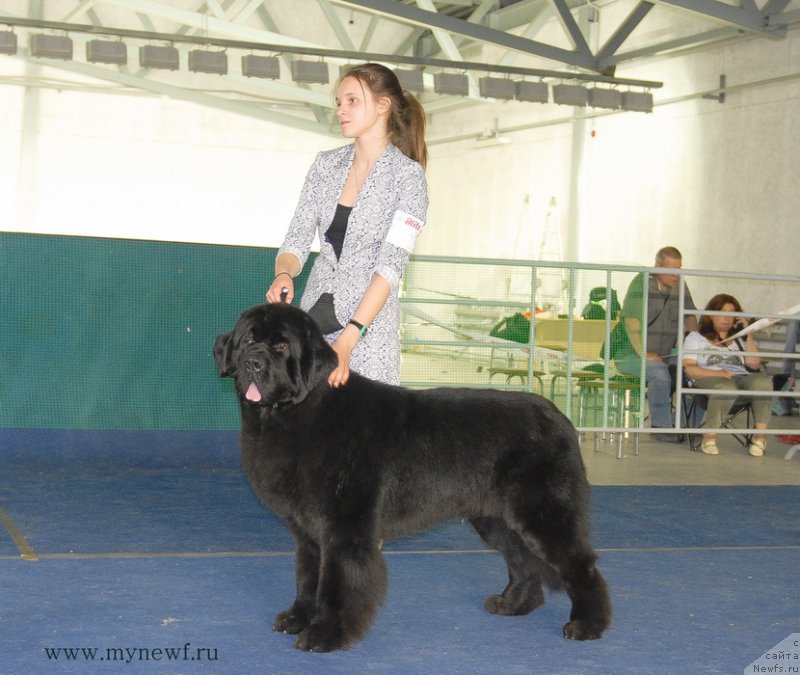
[(276, 353)]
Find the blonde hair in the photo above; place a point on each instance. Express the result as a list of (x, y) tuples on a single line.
[(406, 122), (667, 252)]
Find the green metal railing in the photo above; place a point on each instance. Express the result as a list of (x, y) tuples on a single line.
[(451, 306)]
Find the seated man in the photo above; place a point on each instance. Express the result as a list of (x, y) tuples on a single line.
[(663, 314)]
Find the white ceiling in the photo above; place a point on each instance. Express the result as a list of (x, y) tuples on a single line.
[(535, 38)]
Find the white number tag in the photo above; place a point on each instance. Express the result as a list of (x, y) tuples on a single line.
[(404, 230)]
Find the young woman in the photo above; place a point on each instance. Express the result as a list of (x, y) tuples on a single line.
[(368, 202), (720, 366)]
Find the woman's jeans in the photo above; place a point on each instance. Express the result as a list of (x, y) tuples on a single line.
[(718, 406)]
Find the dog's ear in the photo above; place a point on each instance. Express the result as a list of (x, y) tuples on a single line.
[(223, 354), (317, 359)]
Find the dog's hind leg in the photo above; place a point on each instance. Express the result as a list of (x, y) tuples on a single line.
[(563, 539), (352, 586), (307, 563), (524, 592), (591, 605)]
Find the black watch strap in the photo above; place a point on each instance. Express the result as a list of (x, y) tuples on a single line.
[(362, 329)]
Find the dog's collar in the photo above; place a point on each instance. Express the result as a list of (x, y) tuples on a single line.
[(277, 405)]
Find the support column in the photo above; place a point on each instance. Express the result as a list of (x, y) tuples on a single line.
[(588, 20), (29, 141)]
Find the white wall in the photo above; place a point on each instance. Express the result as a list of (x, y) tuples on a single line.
[(716, 180), (691, 173), (144, 167)]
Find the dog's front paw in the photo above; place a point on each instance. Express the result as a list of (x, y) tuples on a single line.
[(583, 630), (320, 638), (290, 622)]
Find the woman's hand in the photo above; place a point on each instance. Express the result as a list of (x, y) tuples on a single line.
[(753, 363), (281, 282), (343, 346)]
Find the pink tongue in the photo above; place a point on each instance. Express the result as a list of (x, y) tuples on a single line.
[(253, 394)]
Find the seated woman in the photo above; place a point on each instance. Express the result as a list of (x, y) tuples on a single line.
[(719, 367)]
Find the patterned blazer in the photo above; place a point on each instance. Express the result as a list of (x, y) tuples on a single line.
[(385, 220)]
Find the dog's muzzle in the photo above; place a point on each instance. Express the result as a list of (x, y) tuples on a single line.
[(253, 367)]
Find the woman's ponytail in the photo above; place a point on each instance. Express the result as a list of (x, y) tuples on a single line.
[(412, 141)]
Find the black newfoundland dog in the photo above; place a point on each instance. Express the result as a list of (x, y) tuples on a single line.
[(346, 468)]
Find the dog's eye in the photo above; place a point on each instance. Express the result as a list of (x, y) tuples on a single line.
[(248, 342), (280, 347)]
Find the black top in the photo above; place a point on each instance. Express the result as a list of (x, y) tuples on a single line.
[(338, 228)]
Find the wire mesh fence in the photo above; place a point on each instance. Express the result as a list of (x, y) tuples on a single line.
[(549, 328)]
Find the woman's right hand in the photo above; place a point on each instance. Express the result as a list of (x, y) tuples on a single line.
[(281, 283)]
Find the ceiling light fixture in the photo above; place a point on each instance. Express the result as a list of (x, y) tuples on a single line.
[(268, 67), (203, 61), (163, 58), (410, 80), (310, 71), (637, 101), (497, 87), (51, 46), (107, 51), (532, 92), (570, 94), (8, 42), (605, 98), (452, 84)]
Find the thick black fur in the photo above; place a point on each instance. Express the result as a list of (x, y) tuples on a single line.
[(349, 467)]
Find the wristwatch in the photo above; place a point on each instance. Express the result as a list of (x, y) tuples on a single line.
[(362, 329)]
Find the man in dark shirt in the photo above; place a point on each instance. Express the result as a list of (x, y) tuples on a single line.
[(663, 318)]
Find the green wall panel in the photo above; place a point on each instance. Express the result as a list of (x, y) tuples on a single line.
[(118, 334)]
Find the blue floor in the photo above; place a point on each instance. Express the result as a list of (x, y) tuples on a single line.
[(139, 557)]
